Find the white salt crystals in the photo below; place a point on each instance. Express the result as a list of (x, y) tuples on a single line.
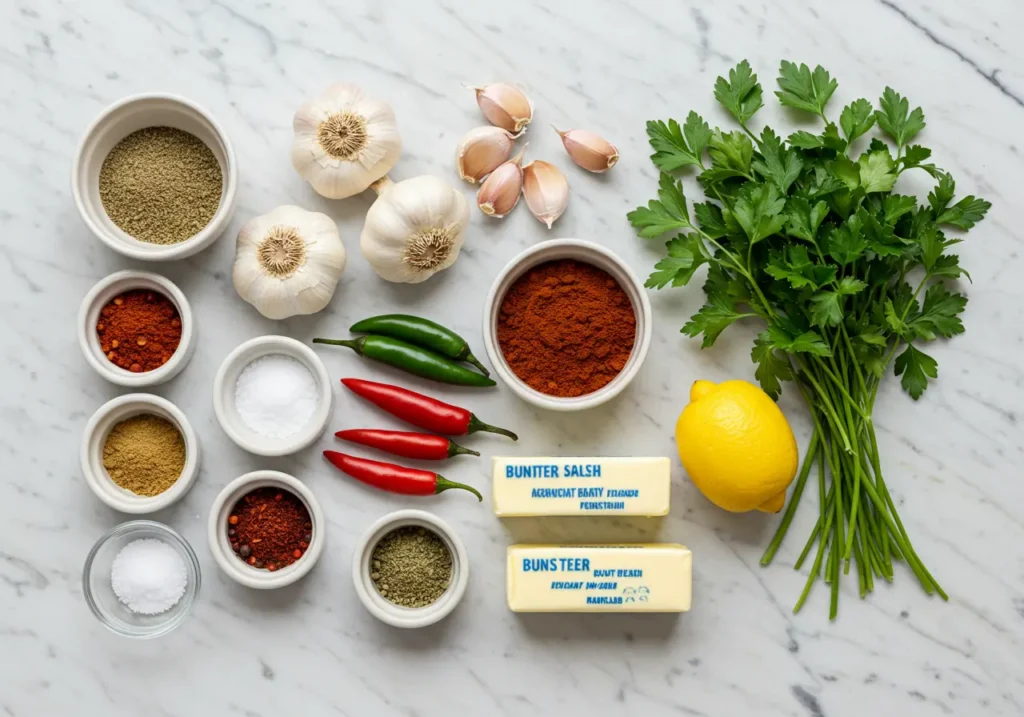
[(148, 576), (276, 396)]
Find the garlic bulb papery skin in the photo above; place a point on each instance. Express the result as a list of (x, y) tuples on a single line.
[(344, 141), (499, 193), (546, 191), (414, 229), (288, 262), (591, 151), (481, 151), (504, 106)]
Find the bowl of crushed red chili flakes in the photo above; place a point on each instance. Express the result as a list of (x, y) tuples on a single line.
[(136, 328)]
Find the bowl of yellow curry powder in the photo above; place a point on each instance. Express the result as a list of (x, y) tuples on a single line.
[(139, 453)]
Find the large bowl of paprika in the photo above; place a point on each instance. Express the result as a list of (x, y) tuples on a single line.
[(567, 325)]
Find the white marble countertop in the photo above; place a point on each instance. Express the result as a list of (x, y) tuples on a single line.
[(953, 459)]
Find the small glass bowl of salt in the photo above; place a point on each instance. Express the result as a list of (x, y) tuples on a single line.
[(141, 579)]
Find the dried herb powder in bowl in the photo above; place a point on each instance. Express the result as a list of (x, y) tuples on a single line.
[(139, 330), (411, 566), (144, 454), (269, 528), (566, 328), (161, 185)]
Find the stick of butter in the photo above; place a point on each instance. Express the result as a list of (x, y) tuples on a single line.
[(655, 577), (581, 486)]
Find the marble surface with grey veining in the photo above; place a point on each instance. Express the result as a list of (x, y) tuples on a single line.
[(954, 458)]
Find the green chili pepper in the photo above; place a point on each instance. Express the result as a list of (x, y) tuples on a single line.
[(420, 332), (413, 359)]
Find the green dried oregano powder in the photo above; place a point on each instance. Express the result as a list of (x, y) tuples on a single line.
[(411, 566), (161, 185)]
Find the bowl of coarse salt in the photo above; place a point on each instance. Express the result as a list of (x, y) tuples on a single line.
[(141, 579), (272, 396)]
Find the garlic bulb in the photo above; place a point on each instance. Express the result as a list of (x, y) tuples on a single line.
[(288, 262), (546, 191), (481, 151), (499, 193), (344, 141), (591, 151), (414, 229), (504, 106)]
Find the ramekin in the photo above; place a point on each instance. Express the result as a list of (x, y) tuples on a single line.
[(385, 610), (95, 436), (224, 395), (589, 253), (117, 122), (217, 531), (89, 313)]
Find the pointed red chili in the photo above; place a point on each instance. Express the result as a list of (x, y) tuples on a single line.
[(423, 446), (394, 478)]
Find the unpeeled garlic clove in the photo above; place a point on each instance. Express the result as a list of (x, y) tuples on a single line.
[(499, 193), (591, 151), (481, 151), (546, 190), (504, 106)]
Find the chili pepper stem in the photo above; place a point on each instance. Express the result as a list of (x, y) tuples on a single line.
[(454, 449), (444, 484), (354, 344), (471, 359), (475, 424)]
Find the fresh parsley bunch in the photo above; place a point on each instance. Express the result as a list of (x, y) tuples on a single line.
[(808, 236)]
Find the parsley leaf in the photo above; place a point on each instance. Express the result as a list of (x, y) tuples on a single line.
[(916, 367), (676, 147), (896, 119), (731, 151), (780, 165), (914, 155), (939, 315), (896, 205), (796, 267), (942, 194), (684, 258), (710, 218), (759, 212), (712, 319), (966, 213), (826, 306), (806, 342), (772, 365), (659, 217), (741, 95), (876, 172), (804, 219), (828, 139), (857, 118), (845, 243), (804, 90)]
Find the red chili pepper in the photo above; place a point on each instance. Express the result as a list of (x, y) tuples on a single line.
[(394, 479), (403, 443), (422, 411)]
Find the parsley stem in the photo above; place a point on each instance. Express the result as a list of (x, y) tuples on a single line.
[(794, 501)]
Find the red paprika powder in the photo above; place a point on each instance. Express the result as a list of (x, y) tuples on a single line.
[(139, 330), (566, 328), (269, 528)]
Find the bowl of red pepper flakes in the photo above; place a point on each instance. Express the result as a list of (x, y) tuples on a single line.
[(136, 328), (266, 529)]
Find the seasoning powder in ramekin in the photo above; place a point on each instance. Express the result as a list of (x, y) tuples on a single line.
[(566, 328), (411, 566), (144, 454)]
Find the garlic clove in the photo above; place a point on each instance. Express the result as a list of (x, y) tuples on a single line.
[(591, 151), (481, 151), (546, 191), (499, 193), (504, 106)]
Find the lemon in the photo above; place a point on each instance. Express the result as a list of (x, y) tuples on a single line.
[(737, 446)]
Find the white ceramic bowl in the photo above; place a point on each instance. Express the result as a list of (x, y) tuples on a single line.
[(235, 567), (117, 122), (96, 432), (89, 314), (385, 610), (224, 396), (589, 253)]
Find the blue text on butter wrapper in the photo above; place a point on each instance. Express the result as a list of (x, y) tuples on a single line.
[(553, 470)]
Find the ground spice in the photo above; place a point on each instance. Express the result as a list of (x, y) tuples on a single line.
[(270, 528), (411, 566), (144, 454), (566, 328), (161, 185), (139, 330)]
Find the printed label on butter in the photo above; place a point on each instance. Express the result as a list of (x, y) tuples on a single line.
[(599, 578), (581, 486)]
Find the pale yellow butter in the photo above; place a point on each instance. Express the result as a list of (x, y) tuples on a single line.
[(581, 486), (650, 577)]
